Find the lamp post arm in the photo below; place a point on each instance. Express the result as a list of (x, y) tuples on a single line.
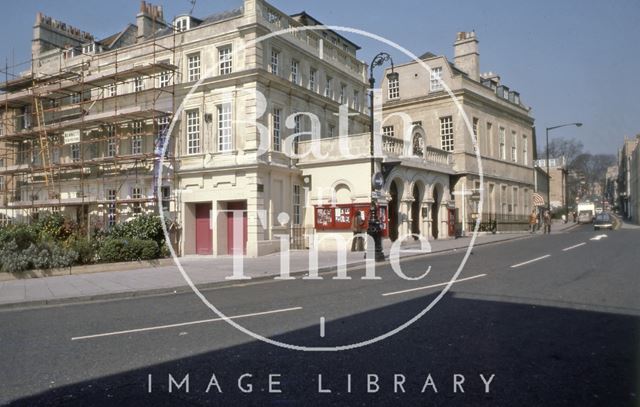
[(378, 60)]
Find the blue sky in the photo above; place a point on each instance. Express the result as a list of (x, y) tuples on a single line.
[(571, 60)]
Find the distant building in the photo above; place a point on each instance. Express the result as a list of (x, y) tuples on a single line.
[(557, 181), (611, 185), (629, 179)]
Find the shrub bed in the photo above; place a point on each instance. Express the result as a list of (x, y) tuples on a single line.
[(55, 242)]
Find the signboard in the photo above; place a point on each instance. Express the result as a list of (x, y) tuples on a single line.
[(71, 136), (338, 217), (475, 196)]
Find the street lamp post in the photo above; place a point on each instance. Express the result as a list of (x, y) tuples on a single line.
[(374, 228), (549, 175)]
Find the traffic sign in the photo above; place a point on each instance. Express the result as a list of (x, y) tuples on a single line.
[(377, 181)]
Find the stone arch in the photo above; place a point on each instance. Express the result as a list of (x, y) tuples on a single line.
[(395, 192), (342, 191), (342, 194)]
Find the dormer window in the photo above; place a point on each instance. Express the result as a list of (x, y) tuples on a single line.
[(90, 48), (69, 53), (182, 24)]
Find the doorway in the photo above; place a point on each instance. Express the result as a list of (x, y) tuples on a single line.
[(236, 206), (435, 206), (415, 212), (393, 212), (204, 235)]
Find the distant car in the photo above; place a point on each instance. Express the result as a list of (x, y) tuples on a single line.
[(585, 217), (603, 221)]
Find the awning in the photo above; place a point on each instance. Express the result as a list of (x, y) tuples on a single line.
[(538, 200)]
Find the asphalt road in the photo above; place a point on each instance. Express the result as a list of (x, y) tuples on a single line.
[(542, 321)]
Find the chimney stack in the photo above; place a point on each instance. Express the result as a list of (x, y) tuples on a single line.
[(466, 56), (149, 19)]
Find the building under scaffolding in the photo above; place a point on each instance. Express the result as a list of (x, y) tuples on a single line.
[(84, 122), (82, 129)]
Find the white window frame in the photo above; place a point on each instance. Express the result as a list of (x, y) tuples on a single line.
[(182, 24), (356, 100), (112, 147), (193, 67), (295, 71), (136, 193), (328, 87), (112, 196), (343, 93), (163, 124), (274, 64), (138, 84), (194, 145), (225, 60), (225, 134), (446, 133), (164, 79), (388, 131), (394, 88), (136, 143), (276, 130), (313, 79), (297, 204), (514, 146), (435, 79), (525, 149), (112, 90)]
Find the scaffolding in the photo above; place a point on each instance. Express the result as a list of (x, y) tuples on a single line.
[(73, 139)]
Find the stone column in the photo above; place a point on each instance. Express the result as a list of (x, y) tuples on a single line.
[(404, 217)]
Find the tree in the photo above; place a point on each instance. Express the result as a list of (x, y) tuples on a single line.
[(593, 169), (568, 147)]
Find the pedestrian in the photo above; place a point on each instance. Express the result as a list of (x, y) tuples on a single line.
[(575, 216), (533, 221), (564, 218), (358, 228), (547, 222)]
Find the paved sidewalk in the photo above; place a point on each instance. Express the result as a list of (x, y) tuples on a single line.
[(203, 271)]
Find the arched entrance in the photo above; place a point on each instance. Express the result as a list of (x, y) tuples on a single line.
[(415, 212), (393, 212), (435, 206)]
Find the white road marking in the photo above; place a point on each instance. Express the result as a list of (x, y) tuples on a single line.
[(203, 321), (530, 261), (598, 237), (433, 285), (322, 327), (574, 246)]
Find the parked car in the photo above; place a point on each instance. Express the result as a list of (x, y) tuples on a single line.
[(603, 221)]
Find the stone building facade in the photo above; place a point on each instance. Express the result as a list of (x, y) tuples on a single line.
[(502, 125), (558, 176), (628, 185), (234, 127)]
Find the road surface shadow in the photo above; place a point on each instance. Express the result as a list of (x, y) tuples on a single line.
[(540, 356)]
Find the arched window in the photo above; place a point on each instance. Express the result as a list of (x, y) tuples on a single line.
[(418, 145), (342, 194)]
